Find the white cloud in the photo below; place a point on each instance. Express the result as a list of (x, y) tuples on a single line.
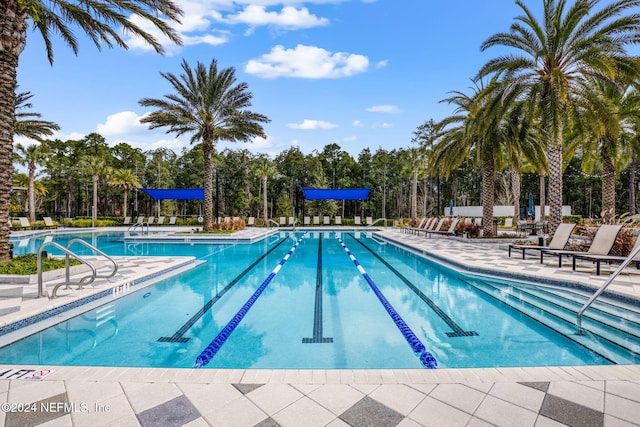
[(289, 18), (357, 123), (125, 122), (383, 125), (307, 62), (172, 144), (312, 125), (382, 64), (390, 109), (348, 139)]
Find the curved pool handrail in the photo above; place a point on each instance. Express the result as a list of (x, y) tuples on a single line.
[(68, 282), (212, 349), (98, 251), (426, 358)]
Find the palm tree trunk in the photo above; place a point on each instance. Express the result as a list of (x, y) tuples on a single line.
[(555, 184), (515, 190), (414, 193), (124, 208), (264, 199), (32, 192), (94, 207), (488, 197), (608, 187), (543, 196), (207, 151), (632, 185)]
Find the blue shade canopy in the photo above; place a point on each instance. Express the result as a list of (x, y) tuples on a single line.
[(336, 193), (175, 193)]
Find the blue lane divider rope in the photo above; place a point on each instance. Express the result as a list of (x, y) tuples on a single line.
[(426, 358), (210, 351)]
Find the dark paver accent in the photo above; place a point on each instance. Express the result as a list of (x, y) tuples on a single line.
[(40, 412), (371, 413), (247, 388), (542, 386), (269, 422), (570, 413), (176, 412)]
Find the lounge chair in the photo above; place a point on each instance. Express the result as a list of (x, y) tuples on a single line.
[(172, 220), (48, 222), (478, 221), (357, 220), (420, 225), (609, 259), (508, 222), (558, 242), (326, 220), (369, 220), (251, 221), (338, 220), (316, 220), (435, 226), (24, 224), (160, 220), (283, 221), (151, 219), (127, 220), (601, 245), (140, 220), (424, 224), (451, 231), (307, 220), (292, 221)]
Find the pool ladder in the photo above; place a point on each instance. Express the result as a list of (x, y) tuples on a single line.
[(87, 280), (141, 225)]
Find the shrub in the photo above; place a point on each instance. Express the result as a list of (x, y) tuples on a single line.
[(28, 264)]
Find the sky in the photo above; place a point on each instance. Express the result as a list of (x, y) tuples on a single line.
[(357, 73)]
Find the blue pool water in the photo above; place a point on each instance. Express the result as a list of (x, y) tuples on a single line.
[(317, 312)]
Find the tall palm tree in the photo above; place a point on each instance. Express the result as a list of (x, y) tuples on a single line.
[(552, 54), (31, 156), (95, 167), (127, 180), (415, 164), (265, 169), (209, 105), (101, 21)]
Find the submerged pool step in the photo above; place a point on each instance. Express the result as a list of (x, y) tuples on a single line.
[(607, 339)]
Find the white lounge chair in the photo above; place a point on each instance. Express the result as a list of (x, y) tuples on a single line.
[(48, 222), (172, 220), (326, 220), (316, 220), (127, 220), (357, 220), (338, 220), (283, 221), (160, 220), (251, 221), (307, 220)]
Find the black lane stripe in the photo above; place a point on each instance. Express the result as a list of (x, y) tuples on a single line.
[(179, 335), (317, 312), (457, 330)]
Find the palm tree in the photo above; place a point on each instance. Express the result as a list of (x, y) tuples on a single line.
[(127, 180), (415, 157), (103, 22), (94, 166), (265, 169), (553, 54), (27, 122), (31, 156), (210, 106)]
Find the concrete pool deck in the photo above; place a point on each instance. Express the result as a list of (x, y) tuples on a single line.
[(525, 396)]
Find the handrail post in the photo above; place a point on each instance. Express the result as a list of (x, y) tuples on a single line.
[(602, 288)]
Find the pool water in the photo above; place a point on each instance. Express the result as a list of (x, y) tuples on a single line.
[(318, 312)]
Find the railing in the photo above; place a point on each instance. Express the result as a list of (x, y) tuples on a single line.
[(270, 220), (99, 252), (67, 281), (142, 224), (604, 286), (377, 221)]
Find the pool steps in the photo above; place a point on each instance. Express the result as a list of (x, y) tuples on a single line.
[(558, 312)]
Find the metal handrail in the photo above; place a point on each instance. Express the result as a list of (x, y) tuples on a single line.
[(67, 281), (98, 251), (270, 220), (377, 221), (139, 224), (600, 290)]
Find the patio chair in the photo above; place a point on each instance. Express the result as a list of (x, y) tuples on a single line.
[(451, 231), (48, 222), (151, 219), (521, 227), (127, 220), (609, 259), (357, 220), (140, 219), (421, 224), (292, 221), (478, 221), (326, 220), (307, 220), (369, 220), (338, 220), (160, 220), (601, 245), (172, 220), (558, 242), (24, 224), (316, 220), (508, 222), (283, 221), (251, 221)]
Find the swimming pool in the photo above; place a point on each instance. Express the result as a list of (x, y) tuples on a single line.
[(319, 312)]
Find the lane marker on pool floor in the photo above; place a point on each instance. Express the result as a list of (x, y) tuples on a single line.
[(426, 358), (210, 351)]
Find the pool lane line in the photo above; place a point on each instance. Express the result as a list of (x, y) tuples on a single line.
[(426, 358), (212, 349), (317, 312), (457, 330), (179, 335)]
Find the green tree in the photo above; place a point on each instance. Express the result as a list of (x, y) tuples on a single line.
[(94, 167), (265, 169), (127, 180), (570, 41), (31, 156), (103, 22), (209, 105), (28, 123)]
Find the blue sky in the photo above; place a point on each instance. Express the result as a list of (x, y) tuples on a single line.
[(359, 73)]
